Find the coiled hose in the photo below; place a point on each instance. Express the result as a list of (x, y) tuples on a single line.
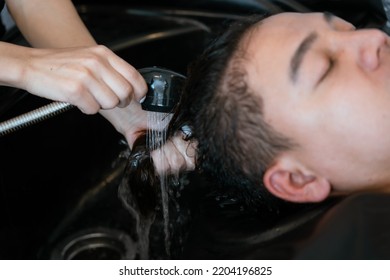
[(164, 88), (35, 116)]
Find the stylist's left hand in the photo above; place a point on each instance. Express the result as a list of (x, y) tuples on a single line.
[(176, 155), (130, 121)]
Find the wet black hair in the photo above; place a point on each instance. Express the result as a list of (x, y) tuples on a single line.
[(235, 144)]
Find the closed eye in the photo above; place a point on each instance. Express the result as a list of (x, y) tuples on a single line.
[(327, 72)]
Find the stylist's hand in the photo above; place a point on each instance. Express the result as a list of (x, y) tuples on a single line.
[(176, 155), (130, 121), (92, 78)]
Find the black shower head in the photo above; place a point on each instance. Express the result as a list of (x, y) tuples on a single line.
[(164, 89)]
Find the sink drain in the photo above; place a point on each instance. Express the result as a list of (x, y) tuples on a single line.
[(96, 244)]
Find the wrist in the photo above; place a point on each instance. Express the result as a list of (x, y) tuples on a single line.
[(13, 65)]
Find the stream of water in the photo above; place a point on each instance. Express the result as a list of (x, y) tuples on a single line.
[(156, 138)]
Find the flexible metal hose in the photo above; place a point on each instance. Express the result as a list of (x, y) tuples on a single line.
[(164, 88), (56, 108), (167, 96), (37, 115)]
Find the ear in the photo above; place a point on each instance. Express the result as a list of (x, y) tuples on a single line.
[(289, 181)]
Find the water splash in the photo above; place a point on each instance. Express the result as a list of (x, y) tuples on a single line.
[(155, 139), (142, 191)]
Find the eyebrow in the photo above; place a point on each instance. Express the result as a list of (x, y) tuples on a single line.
[(304, 47), (299, 54)]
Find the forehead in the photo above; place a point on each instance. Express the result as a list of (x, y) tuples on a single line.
[(270, 45), (278, 26)]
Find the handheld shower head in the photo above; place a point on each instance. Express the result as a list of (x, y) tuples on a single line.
[(164, 89), (386, 8)]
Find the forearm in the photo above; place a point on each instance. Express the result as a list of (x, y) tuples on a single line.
[(59, 67), (13, 60), (91, 78), (50, 23)]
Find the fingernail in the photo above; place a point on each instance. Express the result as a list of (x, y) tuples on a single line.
[(187, 131)]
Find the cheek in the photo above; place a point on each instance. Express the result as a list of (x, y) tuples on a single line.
[(345, 124), (345, 133), (353, 107)]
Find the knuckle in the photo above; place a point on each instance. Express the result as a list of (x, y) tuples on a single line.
[(127, 90), (75, 91), (124, 102), (101, 49), (83, 74), (125, 93), (92, 62), (90, 109), (110, 103), (140, 87)]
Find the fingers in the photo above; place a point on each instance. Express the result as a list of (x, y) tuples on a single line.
[(90, 78), (131, 75), (89, 93), (188, 151), (130, 121), (175, 156), (118, 81), (168, 160)]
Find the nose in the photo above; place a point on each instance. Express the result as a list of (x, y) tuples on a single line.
[(366, 45)]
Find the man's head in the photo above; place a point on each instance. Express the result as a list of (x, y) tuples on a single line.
[(299, 102)]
